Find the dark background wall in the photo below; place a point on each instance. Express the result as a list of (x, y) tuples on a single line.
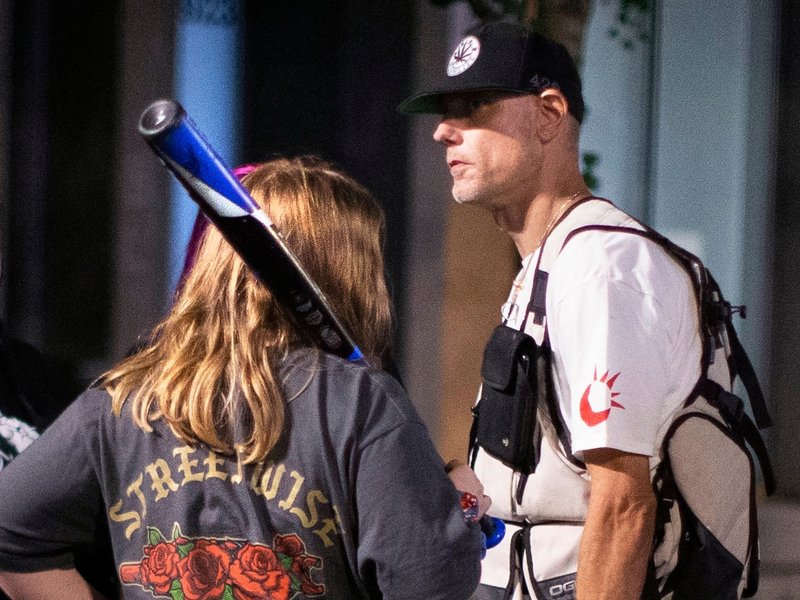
[(786, 293), (84, 247), (63, 97), (324, 77)]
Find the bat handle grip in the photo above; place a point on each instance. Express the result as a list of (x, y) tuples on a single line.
[(494, 529)]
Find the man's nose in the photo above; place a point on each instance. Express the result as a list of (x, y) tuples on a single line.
[(446, 133)]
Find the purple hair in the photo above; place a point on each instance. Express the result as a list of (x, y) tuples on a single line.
[(200, 224)]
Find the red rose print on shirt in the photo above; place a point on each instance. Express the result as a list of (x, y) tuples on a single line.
[(159, 566), (257, 574), (224, 569), (599, 394), (204, 571)]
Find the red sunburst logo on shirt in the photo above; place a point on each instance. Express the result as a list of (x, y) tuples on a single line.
[(599, 393)]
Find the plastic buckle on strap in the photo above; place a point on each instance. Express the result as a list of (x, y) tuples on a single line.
[(724, 310), (727, 310), (742, 310)]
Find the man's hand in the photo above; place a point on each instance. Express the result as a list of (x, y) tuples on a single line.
[(618, 535)]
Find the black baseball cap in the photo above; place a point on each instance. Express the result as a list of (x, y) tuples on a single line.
[(501, 55)]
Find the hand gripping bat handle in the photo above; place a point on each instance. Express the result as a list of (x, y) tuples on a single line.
[(172, 135), (493, 529)]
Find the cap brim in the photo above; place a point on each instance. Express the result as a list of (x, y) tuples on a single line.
[(431, 102), (427, 103)]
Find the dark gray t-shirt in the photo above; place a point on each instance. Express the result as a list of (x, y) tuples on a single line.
[(353, 503)]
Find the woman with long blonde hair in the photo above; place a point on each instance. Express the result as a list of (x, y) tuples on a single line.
[(230, 458)]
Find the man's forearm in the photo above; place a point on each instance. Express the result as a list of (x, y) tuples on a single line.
[(618, 534)]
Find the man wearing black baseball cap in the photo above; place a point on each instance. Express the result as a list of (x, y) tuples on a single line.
[(503, 57), (618, 319)]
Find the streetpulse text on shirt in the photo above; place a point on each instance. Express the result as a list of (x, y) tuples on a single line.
[(273, 481)]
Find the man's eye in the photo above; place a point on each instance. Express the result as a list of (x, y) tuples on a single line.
[(476, 103)]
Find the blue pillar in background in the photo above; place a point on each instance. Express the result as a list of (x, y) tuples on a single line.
[(207, 83)]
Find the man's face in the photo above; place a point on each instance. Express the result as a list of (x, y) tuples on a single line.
[(492, 150)]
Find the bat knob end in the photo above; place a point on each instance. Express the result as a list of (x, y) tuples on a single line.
[(160, 116)]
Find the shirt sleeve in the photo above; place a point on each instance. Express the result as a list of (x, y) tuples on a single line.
[(613, 325), (412, 535), (50, 499)]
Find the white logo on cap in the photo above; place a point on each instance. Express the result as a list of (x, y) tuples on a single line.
[(464, 56)]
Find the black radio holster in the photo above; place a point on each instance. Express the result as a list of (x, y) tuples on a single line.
[(514, 375)]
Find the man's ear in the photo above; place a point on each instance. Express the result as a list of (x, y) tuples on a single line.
[(553, 111)]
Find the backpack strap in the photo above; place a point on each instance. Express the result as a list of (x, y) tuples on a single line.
[(739, 362), (716, 316), (745, 371), (715, 322), (595, 212), (698, 275)]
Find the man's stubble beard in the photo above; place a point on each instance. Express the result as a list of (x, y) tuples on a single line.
[(471, 194), (482, 194)]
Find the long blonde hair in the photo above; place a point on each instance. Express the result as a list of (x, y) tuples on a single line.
[(216, 354)]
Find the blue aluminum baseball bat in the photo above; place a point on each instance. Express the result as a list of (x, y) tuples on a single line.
[(173, 136)]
